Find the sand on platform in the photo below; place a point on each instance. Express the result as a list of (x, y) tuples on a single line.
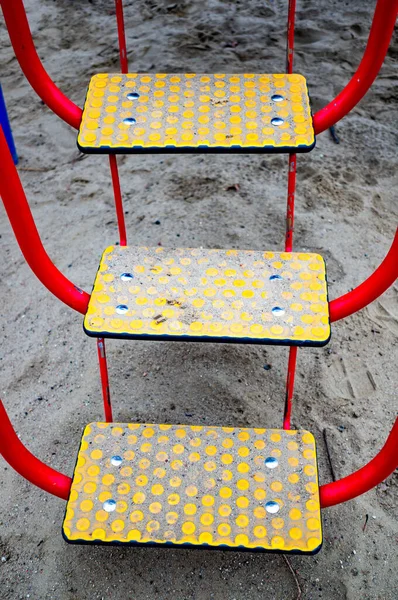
[(346, 393)]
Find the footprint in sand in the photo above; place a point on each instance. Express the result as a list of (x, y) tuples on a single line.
[(384, 312), (349, 378)]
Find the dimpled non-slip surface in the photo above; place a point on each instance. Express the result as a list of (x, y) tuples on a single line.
[(210, 295), (148, 112), (195, 485)]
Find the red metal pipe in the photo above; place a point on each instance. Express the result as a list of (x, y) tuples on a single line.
[(118, 200), (291, 191), (291, 370), (290, 36), (121, 36), (363, 480), (22, 41), (28, 238), (26, 464), (379, 40), (106, 394), (25, 51), (291, 185), (370, 289)]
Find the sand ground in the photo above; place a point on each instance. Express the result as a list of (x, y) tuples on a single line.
[(346, 210)]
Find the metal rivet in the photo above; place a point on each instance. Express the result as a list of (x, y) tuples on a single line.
[(116, 460), (278, 311), (271, 462), (275, 98), (121, 309), (133, 96), (109, 505), (129, 121), (272, 507), (126, 276), (277, 121), (273, 277)]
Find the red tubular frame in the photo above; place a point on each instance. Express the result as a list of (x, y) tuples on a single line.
[(121, 36), (118, 200), (106, 395), (26, 464), (25, 51), (290, 36), (373, 287), (291, 185), (28, 238), (58, 484), (291, 372), (363, 480), (291, 191), (379, 40), (112, 158), (384, 18)]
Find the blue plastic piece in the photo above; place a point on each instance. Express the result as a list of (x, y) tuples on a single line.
[(5, 123)]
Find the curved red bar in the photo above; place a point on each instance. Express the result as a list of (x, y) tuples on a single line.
[(26, 464), (28, 238), (376, 49), (25, 51), (370, 289), (372, 60), (378, 469)]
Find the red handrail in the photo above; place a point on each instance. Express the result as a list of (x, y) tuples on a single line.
[(382, 278), (26, 464), (28, 238), (54, 482), (25, 51), (363, 480), (379, 40), (376, 49)]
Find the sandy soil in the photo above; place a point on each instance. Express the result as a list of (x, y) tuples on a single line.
[(346, 210)]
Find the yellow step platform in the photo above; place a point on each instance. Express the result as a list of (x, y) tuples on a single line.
[(148, 112), (210, 295), (180, 485)]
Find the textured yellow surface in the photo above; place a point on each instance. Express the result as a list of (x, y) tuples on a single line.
[(196, 112), (242, 295), (180, 484)]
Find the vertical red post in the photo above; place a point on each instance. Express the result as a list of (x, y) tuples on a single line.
[(104, 380), (118, 200), (112, 158), (117, 193), (290, 36), (291, 191), (121, 36), (291, 371)]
